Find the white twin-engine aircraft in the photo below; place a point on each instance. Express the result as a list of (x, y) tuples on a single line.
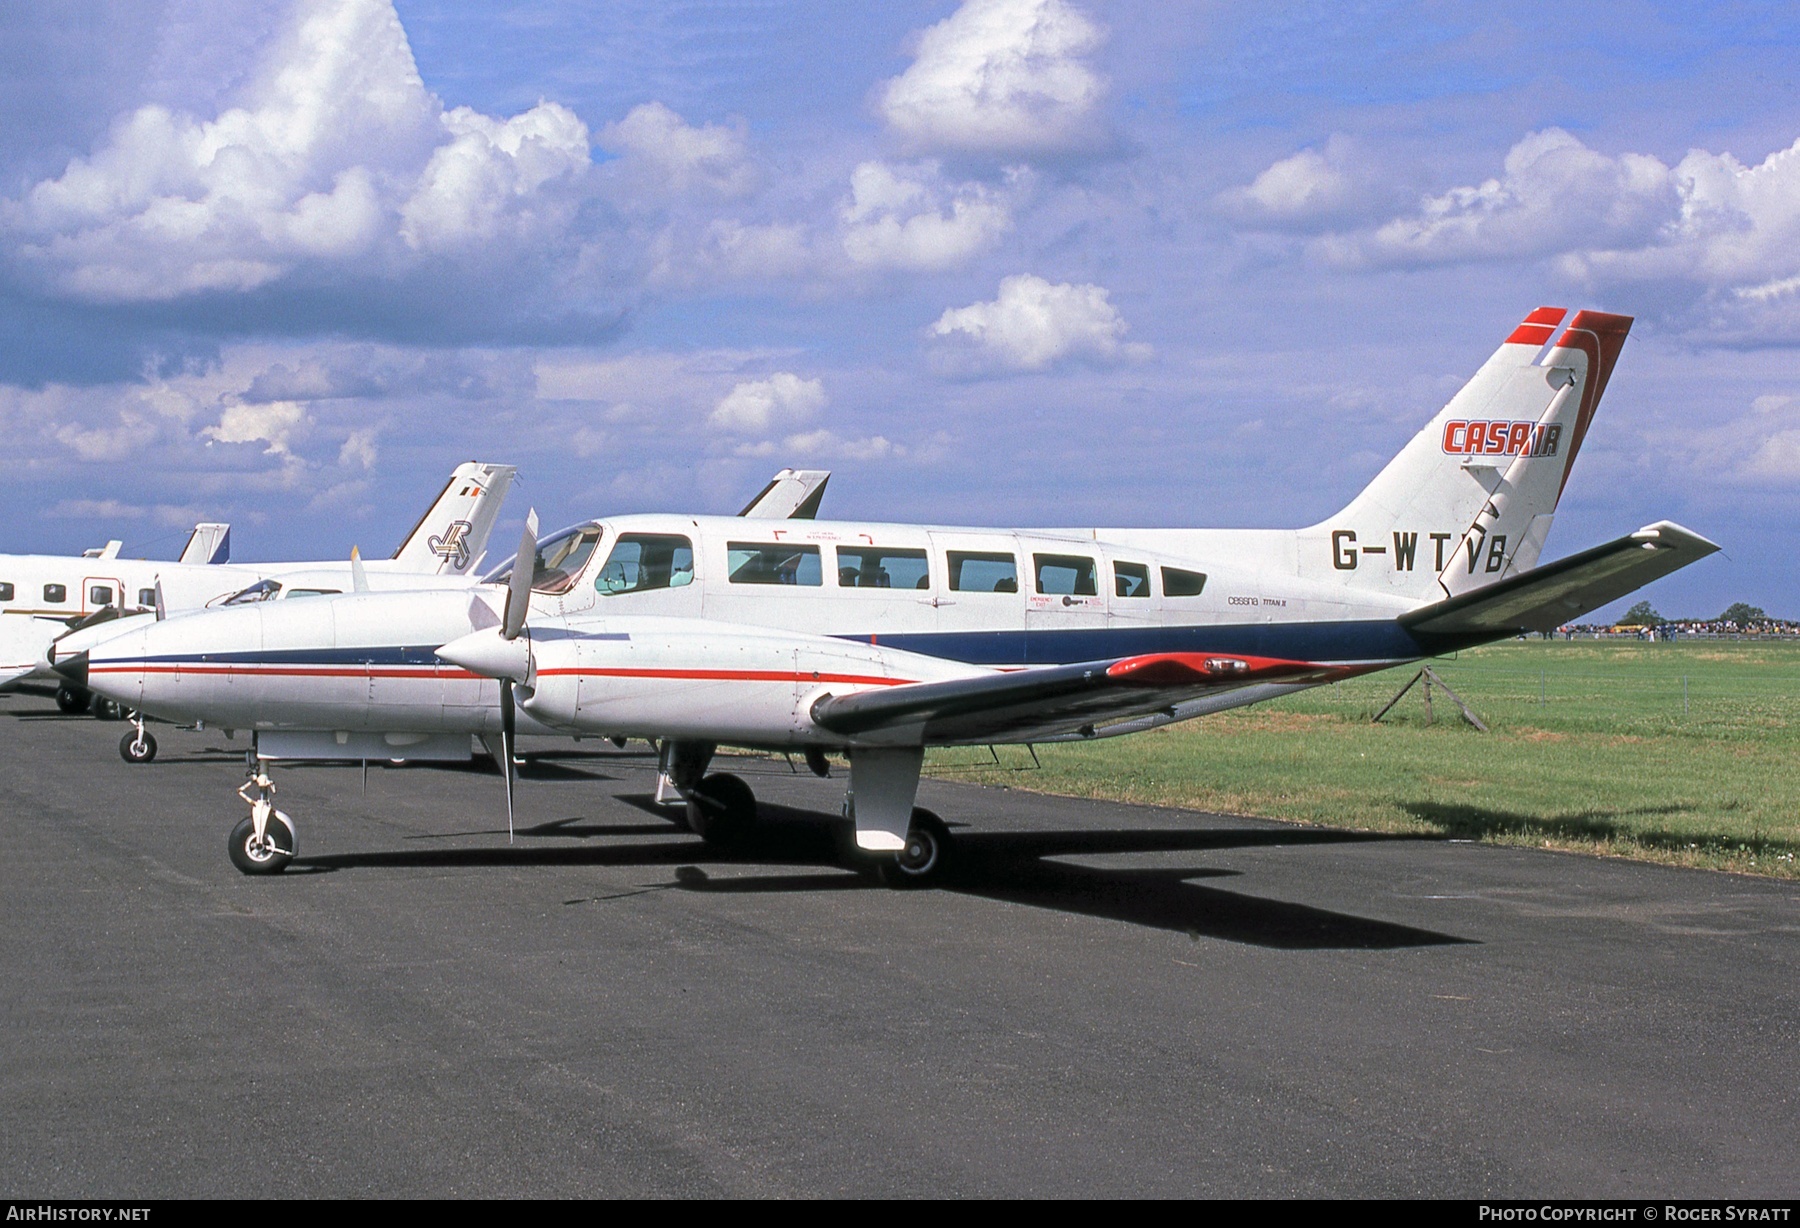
[(43, 595), (880, 640)]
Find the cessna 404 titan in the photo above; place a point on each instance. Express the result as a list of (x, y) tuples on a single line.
[(879, 640)]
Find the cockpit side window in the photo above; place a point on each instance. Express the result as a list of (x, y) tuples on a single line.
[(558, 561), (644, 561), (262, 590)]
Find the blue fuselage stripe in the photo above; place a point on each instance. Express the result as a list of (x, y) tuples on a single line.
[(1323, 642)]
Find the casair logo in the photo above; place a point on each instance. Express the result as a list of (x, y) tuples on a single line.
[(453, 545), (1501, 438)]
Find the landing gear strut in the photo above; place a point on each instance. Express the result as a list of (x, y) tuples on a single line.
[(263, 843), (138, 746)]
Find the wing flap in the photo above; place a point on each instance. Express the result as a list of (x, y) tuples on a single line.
[(1546, 597), (1058, 697)]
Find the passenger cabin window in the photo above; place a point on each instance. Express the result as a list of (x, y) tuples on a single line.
[(1131, 580), (644, 561), (874, 568), (55, 594), (1178, 583), (146, 596), (1065, 574), (971, 572), (778, 564), (99, 594), (6, 590)]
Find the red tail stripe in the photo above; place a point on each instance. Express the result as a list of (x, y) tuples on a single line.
[(1530, 334), (1547, 315)]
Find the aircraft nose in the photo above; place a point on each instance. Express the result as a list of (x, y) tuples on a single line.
[(74, 668)]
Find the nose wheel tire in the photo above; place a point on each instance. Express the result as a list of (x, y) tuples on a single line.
[(137, 747), (268, 856), (721, 810), (926, 858)]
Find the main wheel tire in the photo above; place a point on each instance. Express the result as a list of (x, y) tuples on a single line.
[(108, 709), (721, 810), (926, 858), (273, 855), (136, 749), (73, 699)]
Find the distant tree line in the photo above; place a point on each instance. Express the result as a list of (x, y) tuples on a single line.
[(1740, 612)]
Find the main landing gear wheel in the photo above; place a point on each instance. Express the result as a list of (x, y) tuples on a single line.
[(73, 699), (269, 855), (137, 747), (108, 709), (721, 810), (926, 858)]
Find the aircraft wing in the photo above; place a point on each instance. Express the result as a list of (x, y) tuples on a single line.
[(1054, 699), (1544, 598)]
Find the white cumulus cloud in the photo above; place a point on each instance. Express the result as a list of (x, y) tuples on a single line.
[(273, 423), (1712, 241), (660, 155), (1000, 77), (1554, 194), (754, 406), (906, 217), (1033, 324), (1311, 187), (332, 153)]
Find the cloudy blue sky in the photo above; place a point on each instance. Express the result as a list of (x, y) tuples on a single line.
[(285, 262)]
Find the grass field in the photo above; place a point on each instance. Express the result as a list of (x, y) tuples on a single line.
[(1683, 753)]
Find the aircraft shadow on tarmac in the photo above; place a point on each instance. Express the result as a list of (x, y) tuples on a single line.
[(1016, 867), (1480, 822)]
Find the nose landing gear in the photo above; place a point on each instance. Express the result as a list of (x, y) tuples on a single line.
[(264, 843), (138, 746)]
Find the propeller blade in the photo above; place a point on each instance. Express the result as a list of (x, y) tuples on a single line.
[(359, 579), (518, 593), (506, 749)]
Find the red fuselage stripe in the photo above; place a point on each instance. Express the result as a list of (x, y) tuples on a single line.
[(288, 671), (726, 675)]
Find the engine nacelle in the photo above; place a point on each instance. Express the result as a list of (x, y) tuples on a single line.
[(715, 682)]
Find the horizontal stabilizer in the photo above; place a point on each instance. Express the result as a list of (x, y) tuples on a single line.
[(1065, 696), (1546, 597)]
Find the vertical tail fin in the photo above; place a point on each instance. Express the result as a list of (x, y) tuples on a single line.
[(1470, 499), (792, 494), (451, 536), (208, 543)]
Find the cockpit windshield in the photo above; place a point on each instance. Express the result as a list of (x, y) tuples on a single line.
[(262, 590), (560, 559)]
